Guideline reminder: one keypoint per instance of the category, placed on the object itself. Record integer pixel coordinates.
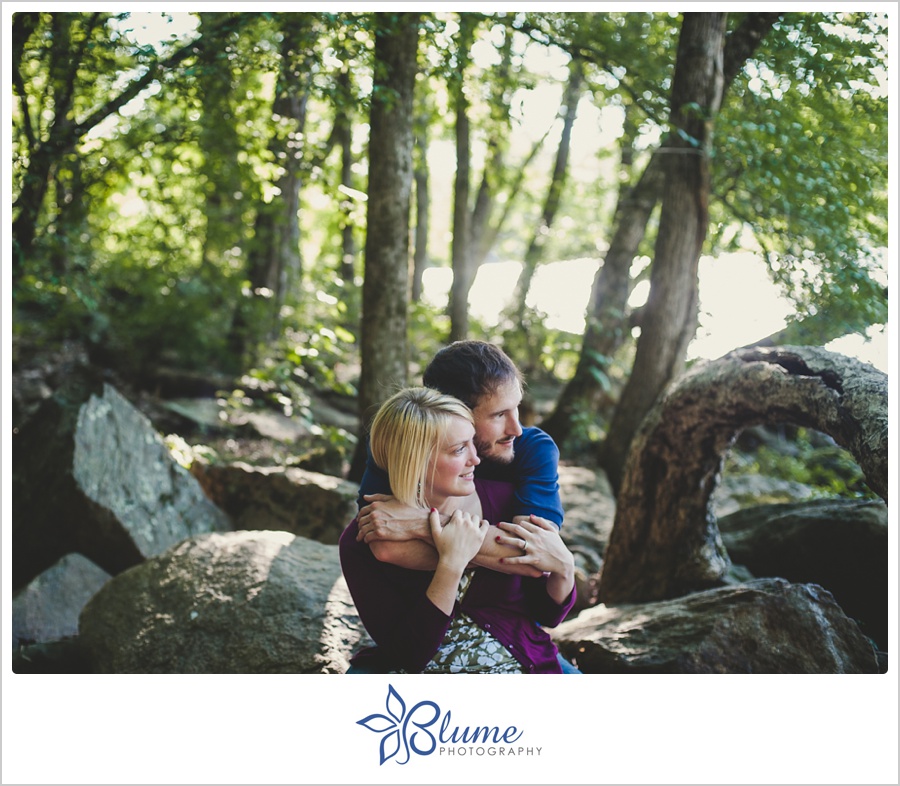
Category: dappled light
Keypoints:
(235, 232)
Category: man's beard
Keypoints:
(485, 452)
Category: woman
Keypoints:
(455, 618)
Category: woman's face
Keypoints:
(451, 471)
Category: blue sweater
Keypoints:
(533, 472)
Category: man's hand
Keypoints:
(497, 551)
(543, 549)
(386, 518)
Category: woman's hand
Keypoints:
(457, 542)
(543, 549)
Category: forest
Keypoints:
(239, 217)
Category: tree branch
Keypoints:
(153, 71)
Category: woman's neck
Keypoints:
(446, 505)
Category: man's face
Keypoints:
(497, 422)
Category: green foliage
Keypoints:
(542, 352)
(800, 157)
(51, 310)
(312, 358)
(146, 235)
(806, 457)
(428, 328)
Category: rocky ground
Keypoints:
(256, 469)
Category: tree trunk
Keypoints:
(343, 129)
(462, 258)
(481, 234)
(45, 149)
(670, 318)
(607, 323)
(420, 255)
(220, 145)
(665, 540)
(386, 284)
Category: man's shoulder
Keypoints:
(534, 434)
(534, 443)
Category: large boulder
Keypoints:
(764, 626)
(305, 503)
(239, 602)
(93, 477)
(841, 544)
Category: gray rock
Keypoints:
(739, 491)
(48, 608)
(122, 464)
(309, 504)
(239, 602)
(93, 477)
(590, 508)
(840, 544)
(765, 626)
(206, 413)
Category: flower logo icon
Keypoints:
(402, 734)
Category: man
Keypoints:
(489, 383)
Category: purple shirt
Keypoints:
(408, 628)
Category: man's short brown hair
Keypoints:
(470, 370)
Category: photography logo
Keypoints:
(424, 730)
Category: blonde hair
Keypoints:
(405, 433)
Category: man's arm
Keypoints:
(375, 480)
(536, 476)
(401, 535)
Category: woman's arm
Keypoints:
(393, 605)
(406, 612)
